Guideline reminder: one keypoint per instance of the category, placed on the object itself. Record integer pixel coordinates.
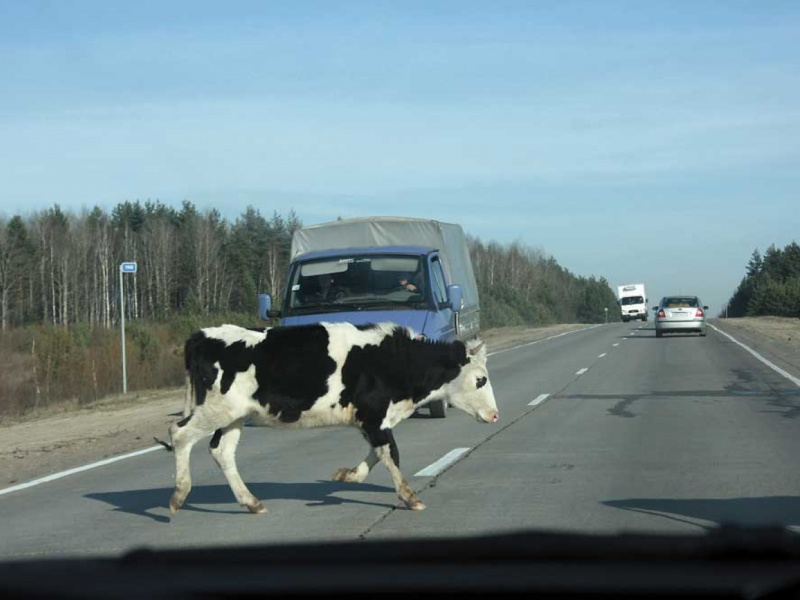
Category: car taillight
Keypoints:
(662, 314)
(700, 313)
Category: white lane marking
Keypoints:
(772, 366)
(68, 472)
(615, 345)
(107, 461)
(538, 400)
(582, 371)
(552, 337)
(440, 465)
(602, 355)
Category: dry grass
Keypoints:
(779, 329)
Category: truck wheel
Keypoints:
(438, 409)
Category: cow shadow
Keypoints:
(763, 511)
(320, 493)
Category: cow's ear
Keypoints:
(476, 348)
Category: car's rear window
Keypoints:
(680, 303)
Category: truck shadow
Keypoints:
(320, 493)
(757, 511)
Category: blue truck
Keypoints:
(413, 272)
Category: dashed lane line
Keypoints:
(538, 400)
(433, 469)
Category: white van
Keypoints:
(632, 301)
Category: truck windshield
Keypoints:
(632, 300)
(358, 281)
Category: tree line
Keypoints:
(60, 268)
(771, 285)
(60, 308)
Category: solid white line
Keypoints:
(602, 355)
(54, 476)
(539, 399)
(440, 465)
(772, 366)
(582, 371)
(552, 337)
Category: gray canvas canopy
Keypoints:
(448, 238)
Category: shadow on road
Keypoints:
(319, 493)
(780, 402)
(759, 511)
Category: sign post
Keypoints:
(606, 309)
(126, 267)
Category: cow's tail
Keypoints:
(188, 397)
(166, 445)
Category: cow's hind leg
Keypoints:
(359, 474)
(185, 434)
(223, 450)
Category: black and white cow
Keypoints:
(370, 377)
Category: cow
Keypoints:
(371, 377)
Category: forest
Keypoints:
(60, 294)
(771, 285)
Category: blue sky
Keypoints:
(655, 142)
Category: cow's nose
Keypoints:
(489, 417)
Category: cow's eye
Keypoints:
(481, 382)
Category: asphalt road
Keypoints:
(677, 434)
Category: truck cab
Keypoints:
(402, 284)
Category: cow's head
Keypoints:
(472, 391)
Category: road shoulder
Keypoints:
(778, 345)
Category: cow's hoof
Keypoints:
(417, 505)
(350, 475)
(174, 506)
(257, 508)
(341, 475)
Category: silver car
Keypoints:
(680, 314)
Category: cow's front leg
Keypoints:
(383, 448)
(359, 474)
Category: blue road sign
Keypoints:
(128, 267)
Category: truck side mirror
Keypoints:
(455, 296)
(265, 306)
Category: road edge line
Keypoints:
(774, 367)
(68, 472)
